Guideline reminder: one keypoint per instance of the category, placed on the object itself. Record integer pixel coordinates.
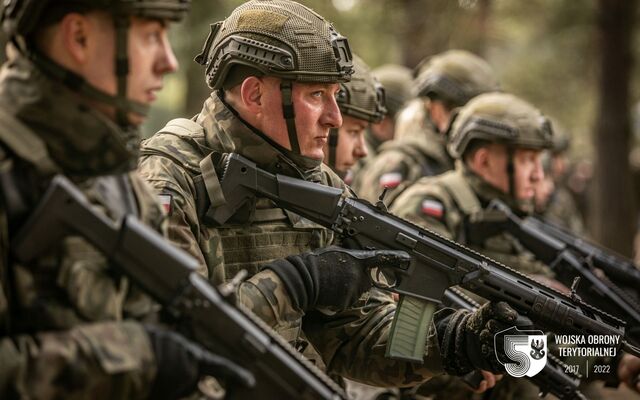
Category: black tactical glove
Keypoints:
(332, 277)
(466, 339)
(181, 363)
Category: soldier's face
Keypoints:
(150, 58)
(316, 112)
(492, 162)
(351, 145)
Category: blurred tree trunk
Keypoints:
(613, 214)
(424, 32)
(433, 26)
(480, 28)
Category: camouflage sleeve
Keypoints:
(176, 192)
(352, 343)
(424, 206)
(98, 361)
(388, 169)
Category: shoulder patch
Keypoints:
(432, 208)
(166, 201)
(390, 180)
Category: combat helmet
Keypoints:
(363, 97)
(278, 38)
(455, 76)
(21, 18)
(397, 82)
(500, 118)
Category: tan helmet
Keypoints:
(363, 97)
(455, 76)
(500, 118)
(397, 81)
(278, 38)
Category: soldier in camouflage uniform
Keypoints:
(561, 208)
(396, 81)
(67, 322)
(277, 110)
(447, 81)
(362, 103)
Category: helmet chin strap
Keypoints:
(286, 89)
(77, 83)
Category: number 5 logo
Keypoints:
(525, 352)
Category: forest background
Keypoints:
(572, 59)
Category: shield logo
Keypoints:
(524, 352)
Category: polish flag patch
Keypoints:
(432, 208)
(390, 180)
(165, 202)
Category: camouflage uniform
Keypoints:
(447, 203)
(400, 163)
(351, 343)
(67, 321)
(561, 208)
(72, 288)
(419, 149)
(396, 80)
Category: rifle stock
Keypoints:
(169, 275)
(437, 263)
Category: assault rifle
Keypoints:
(552, 379)
(560, 256)
(169, 275)
(437, 263)
(619, 269)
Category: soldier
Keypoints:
(396, 81)
(499, 140)
(79, 79)
(362, 103)
(277, 110)
(561, 208)
(447, 81)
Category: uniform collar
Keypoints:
(226, 130)
(486, 192)
(80, 140)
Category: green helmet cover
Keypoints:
(455, 76)
(500, 118)
(279, 38)
(363, 97)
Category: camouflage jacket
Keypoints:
(400, 163)
(563, 211)
(445, 203)
(412, 120)
(350, 343)
(62, 333)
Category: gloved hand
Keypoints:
(181, 363)
(332, 277)
(466, 339)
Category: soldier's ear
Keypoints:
(251, 94)
(74, 31)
